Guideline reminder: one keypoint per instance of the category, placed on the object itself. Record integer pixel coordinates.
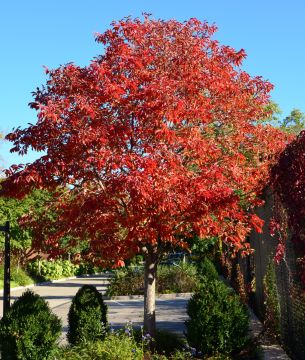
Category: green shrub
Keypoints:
(126, 281)
(176, 279)
(68, 268)
(166, 342)
(218, 320)
(85, 268)
(87, 316)
(170, 279)
(52, 270)
(29, 330)
(205, 267)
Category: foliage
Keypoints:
(84, 268)
(168, 343)
(176, 279)
(52, 270)
(218, 320)
(87, 316)
(225, 266)
(128, 343)
(171, 279)
(288, 184)
(206, 268)
(30, 330)
(18, 276)
(238, 282)
(274, 112)
(147, 145)
(272, 305)
(113, 347)
(13, 210)
(139, 154)
(294, 123)
(46, 270)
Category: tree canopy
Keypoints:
(156, 140)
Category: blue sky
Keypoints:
(36, 33)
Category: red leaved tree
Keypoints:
(157, 140)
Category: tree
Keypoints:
(14, 211)
(154, 142)
(294, 123)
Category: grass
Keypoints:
(13, 284)
(18, 277)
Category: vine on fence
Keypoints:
(288, 182)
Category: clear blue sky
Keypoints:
(36, 33)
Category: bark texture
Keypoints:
(150, 292)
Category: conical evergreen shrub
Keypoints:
(87, 316)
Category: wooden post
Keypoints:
(7, 268)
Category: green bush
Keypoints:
(85, 268)
(166, 342)
(87, 316)
(205, 267)
(176, 279)
(126, 281)
(57, 269)
(52, 270)
(218, 320)
(170, 279)
(29, 330)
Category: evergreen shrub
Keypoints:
(29, 330)
(87, 316)
(218, 320)
(205, 267)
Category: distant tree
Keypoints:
(294, 123)
(156, 141)
(273, 114)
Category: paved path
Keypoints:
(170, 314)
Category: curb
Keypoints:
(141, 297)
(46, 283)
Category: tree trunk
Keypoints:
(150, 292)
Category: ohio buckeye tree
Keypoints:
(156, 141)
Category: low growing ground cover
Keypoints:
(127, 344)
